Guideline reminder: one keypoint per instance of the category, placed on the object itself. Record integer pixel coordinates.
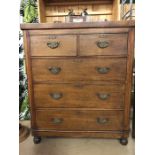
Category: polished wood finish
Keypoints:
(117, 44)
(41, 11)
(77, 31)
(80, 134)
(129, 79)
(79, 95)
(109, 24)
(39, 45)
(79, 120)
(116, 10)
(81, 92)
(29, 75)
(79, 69)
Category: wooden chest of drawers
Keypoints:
(79, 78)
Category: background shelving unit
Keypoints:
(51, 11)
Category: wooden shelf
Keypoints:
(79, 3)
(79, 15)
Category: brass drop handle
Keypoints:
(56, 95)
(53, 44)
(103, 96)
(57, 120)
(101, 120)
(54, 70)
(102, 70)
(102, 44)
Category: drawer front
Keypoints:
(79, 96)
(79, 120)
(57, 45)
(79, 69)
(103, 44)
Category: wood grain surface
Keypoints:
(79, 95)
(79, 119)
(117, 44)
(80, 75)
(79, 69)
(67, 45)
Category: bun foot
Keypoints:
(124, 141)
(36, 140)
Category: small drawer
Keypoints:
(78, 95)
(103, 44)
(53, 45)
(84, 120)
(77, 69)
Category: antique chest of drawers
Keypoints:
(79, 78)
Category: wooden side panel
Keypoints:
(129, 79)
(116, 10)
(41, 11)
(29, 76)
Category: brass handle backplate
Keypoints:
(102, 70)
(101, 120)
(57, 120)
(102, 44)
(56, 96)
(54, 70)
(53, 45)
(103, 96)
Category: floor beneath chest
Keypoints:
(75, 146)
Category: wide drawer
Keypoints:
(103, 44)
(53, 45)
(76, 69)
(79, 95)
(79, 120)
